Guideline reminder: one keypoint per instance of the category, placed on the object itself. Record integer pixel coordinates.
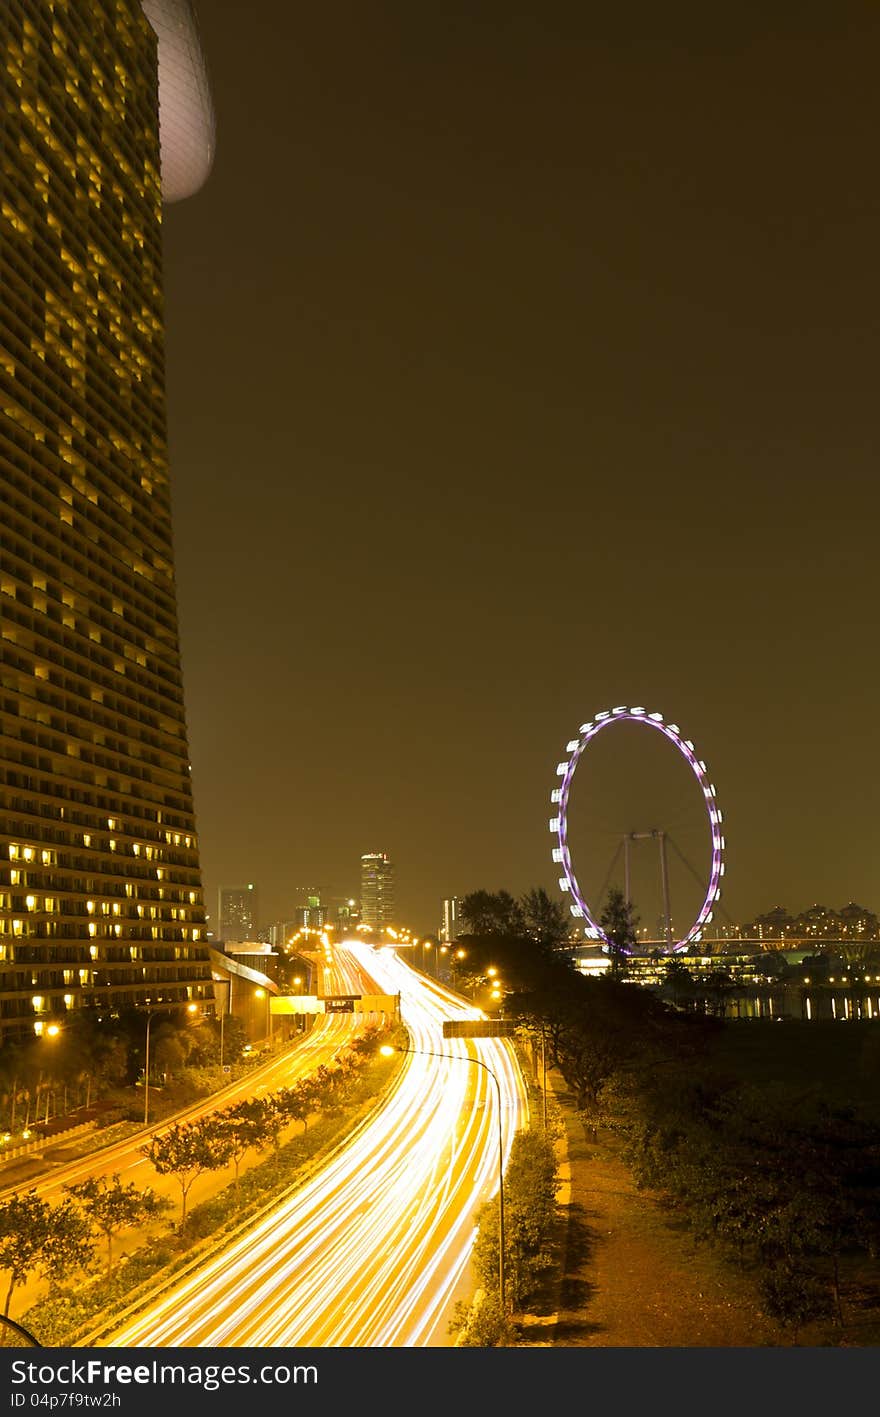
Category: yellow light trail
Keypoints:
(329, 1036)
(369, 1250)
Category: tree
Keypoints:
(69, 1244)
(34, 1234)
(299, 1101)
(677, 978)
(492, 913)
(483, 1324)
(171, 1048)
(544, 919)
(24, 1228)
(244, 1129)
(234, 1038)
(186, 1151)
(111, 1205)
(618, 921)
(530, 1185)
(366, 1045)
(593, 1030)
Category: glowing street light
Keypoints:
(261, 993)
(227, 1008)
(191, 1009)
(388, 1049)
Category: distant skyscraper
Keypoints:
(451, 925)
(237, 914)
(377, 890)
(100, 882)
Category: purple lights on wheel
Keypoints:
(559, 823)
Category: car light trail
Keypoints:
(369, 1250)
(330, 1035)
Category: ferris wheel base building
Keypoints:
(106, 113)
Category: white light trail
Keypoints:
(369, 1250)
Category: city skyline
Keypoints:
(502, 554)
(543, 383)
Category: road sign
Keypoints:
(377, 1004)
(476, 1028)
(340, 1003)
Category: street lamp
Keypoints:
(298, 986)
(191, 1009)
(226, 1009)
(387, 1049)
(52, 1030)
(457, 955)
(150, 1013)
(262, 993)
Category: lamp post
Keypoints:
(262, 993)
(298, 988)
(458, 955)
(150, 1013)
(53, 1031)
(191, 1009)
(388, 1049)
(224, 1010)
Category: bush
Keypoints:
(483, 1324)
(530, 1186)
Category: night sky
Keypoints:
(522, 362)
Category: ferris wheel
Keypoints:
(559, 824)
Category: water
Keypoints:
(774, 1002)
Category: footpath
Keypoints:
(632, 1276)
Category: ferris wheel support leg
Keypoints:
(664, 876)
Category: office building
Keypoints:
(100, 882)
(451, 924)
(237, 917)
(377, 890)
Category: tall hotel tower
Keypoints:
(377, 890)
(100, 884)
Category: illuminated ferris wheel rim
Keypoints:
(559, 824)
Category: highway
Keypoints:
(329, 1036)
(369, 1250)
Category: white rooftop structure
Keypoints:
(186, 114)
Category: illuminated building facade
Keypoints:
(451, 925)
(100, 882)
(377, 890)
